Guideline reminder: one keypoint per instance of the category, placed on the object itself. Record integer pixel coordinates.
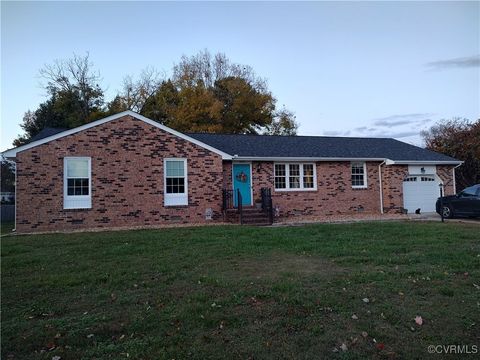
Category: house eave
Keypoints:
(423, 162)
(293, 159)
(326, 159)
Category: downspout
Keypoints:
(454, 182)
(380, 183)
(15, 208)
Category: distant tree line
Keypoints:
(206, 93)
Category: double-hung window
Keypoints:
(77, 183)
(176, 185)
(294, 176)
(359, 178)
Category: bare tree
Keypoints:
(74, 76)
(136, 92)
(205, 69)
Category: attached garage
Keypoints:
(420, 191)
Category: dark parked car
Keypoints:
(465, 203)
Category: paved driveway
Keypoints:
(436, 217)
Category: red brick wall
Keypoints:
(392, 184)
(334, 194)
(446, 174)
(127, 179)
(227, 175)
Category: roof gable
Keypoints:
(11, 153)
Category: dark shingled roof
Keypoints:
(306, 146)
(318, 147)
(46, 132)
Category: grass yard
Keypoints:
(241, 292)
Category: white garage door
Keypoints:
(420, 192)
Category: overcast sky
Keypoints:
(345, 68)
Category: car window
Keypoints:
(470, 191)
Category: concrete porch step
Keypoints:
(250, 216)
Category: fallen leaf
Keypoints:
(477, 286)
(365, 300)
(380, 346)
(418, 320)
(364, 334)
(344, 347)
(354, 317)
(56, 357)
(90, 336)
(401, 293)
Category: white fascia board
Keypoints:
(423, 162)
(387, 161)
(287, 159)
(11, 153)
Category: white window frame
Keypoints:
(287, 176)
(175, 199)
(77, 201)
(365, 177)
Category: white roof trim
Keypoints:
(387, 161)
(286, 159)
(423, 162)
(13, 152)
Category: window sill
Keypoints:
(77, 209)
(295, 190)
(359, 187)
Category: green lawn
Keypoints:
(242, 292)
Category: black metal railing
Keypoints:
(240, 206)
(228, 202)
(267, 205)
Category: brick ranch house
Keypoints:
(127, 170)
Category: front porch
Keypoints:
(236, 210)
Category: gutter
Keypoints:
(16, 201)
(423, 162)
(287, 159)
(385, 161)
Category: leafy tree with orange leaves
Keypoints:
(460, 139)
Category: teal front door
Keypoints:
(242, 182)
